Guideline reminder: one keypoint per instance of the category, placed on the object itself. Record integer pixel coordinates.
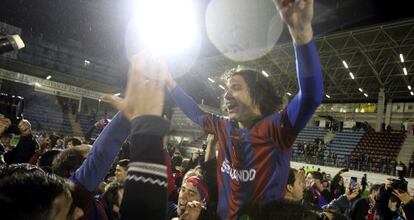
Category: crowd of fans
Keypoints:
(131, 172)
(316, 152)
(30, 168)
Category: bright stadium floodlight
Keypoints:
(405, 71)
(265, 74)
(412, 93)
(117, 94)
(211, 80)
(401, 58)
(366, 95)
(345, 64)
(352, 75)
(328, 96)
(48, 77)
(222, 87)
(409, 87)
(165, 27)
(288, 93)
(360, 90)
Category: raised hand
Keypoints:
(404, 197)
(352, 193)
(298, 15)
(143, 95)
(25, 127)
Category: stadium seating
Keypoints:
(344, 143)
(309, 134)
(379, 147)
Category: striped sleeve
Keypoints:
(145, 195)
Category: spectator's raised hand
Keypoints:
(352, 193)
(404, 197)
(143, 95)
(298, 15)
(25, 127)
(4, 124)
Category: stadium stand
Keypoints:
(344, 142)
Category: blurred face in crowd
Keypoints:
(188, 193)
(341, 181)
(60, 142)
(70, 144)
(120, 173)
(238, 100)
(6, 141)
(295, 191)
(177, 153)
(309, 180)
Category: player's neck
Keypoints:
(249, 123)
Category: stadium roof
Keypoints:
(369, 35)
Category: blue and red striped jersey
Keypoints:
(253, 164)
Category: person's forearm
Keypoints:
(340, 204)
(301, 35)
(210, 150)
(103, 153)
(187, 105)
(146, 184)
(310, 80)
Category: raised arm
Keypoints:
(103, 153)
(186, 103)
(209, 122)
(145, 194)
(298, 14)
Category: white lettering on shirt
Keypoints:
(238, 175)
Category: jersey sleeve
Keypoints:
(209, 122)
(104, 150)
(310, 95)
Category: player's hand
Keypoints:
(298, 15)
